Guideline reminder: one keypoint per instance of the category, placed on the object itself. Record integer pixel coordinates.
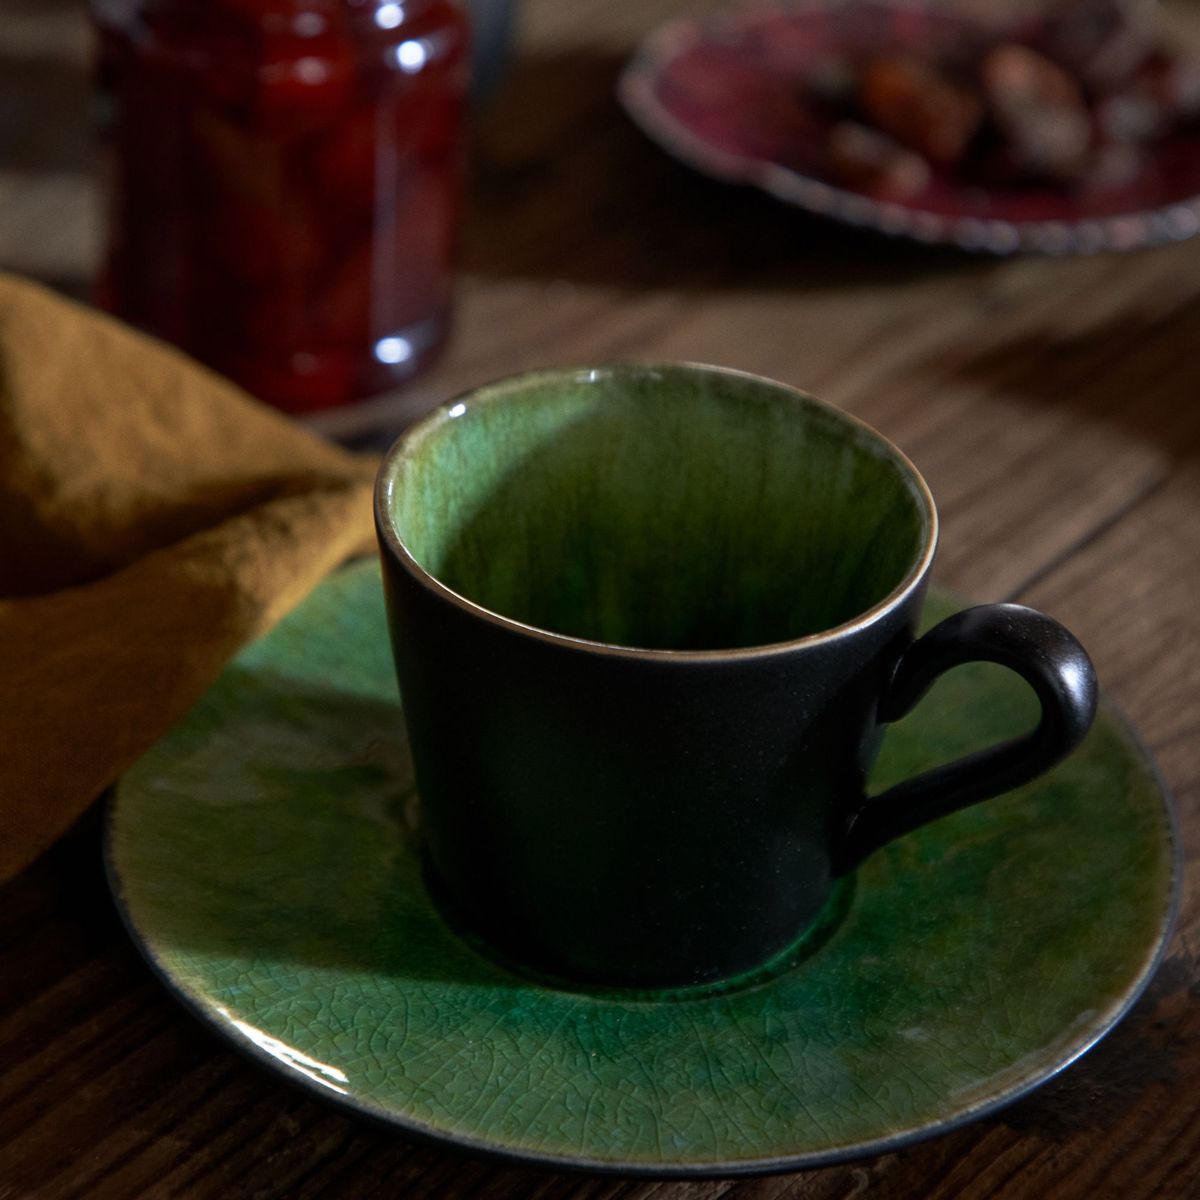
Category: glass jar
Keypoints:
(283, 182)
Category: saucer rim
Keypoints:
(382, 1117)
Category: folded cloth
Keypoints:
(153, 518)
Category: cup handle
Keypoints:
(1043, 653)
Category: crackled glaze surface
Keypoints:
(264, 857)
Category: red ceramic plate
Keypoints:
(725, 94)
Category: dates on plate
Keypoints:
(1073, 105)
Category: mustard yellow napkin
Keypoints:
(153, 518)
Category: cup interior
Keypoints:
(669, 508)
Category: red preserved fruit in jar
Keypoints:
(283, 181)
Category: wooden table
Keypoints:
(1054, 407)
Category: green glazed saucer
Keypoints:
(265, 859)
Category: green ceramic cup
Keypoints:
(649, 622)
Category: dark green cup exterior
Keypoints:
(652, 817)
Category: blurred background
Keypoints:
(565, 200)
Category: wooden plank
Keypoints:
(1052, 406)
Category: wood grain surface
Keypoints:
(1054, 407)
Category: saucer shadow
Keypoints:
(1098, 1092)
(565, 187)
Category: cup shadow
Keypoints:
(1133, 372)
(309, 856)
(328, 872)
